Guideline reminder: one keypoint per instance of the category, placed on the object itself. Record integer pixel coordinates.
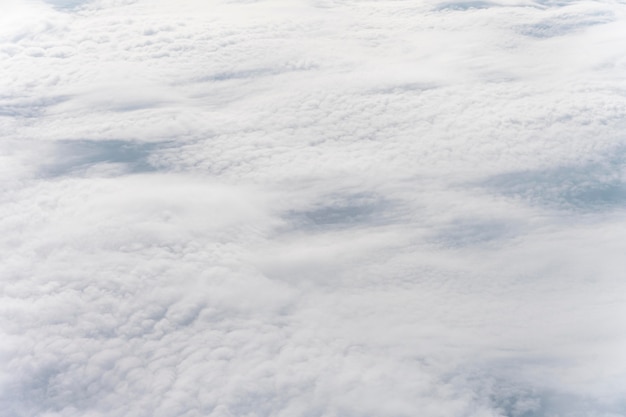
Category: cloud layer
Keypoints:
(312, 208)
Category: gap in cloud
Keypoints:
(67, 5)
(342, 211)
(515, 388)
(553, 3)
(594, 186)
(469, 232)
(28, 108)
(464, 5)
(78, 156)
(239, 74)
(565, 24)
(258, 72)
(538, 403)
(404, 88)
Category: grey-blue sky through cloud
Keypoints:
(312, 208)
(67, 5)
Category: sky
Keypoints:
(316, 208)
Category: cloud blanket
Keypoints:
(323, 208)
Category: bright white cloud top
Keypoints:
(312, 208)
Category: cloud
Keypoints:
(323, 208)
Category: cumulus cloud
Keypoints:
(321, 208)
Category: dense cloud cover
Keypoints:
(312, 208)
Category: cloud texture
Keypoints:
(312, 208)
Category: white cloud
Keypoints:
(325, 208)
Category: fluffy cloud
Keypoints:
(324, 208)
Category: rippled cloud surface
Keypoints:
(333, 208)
